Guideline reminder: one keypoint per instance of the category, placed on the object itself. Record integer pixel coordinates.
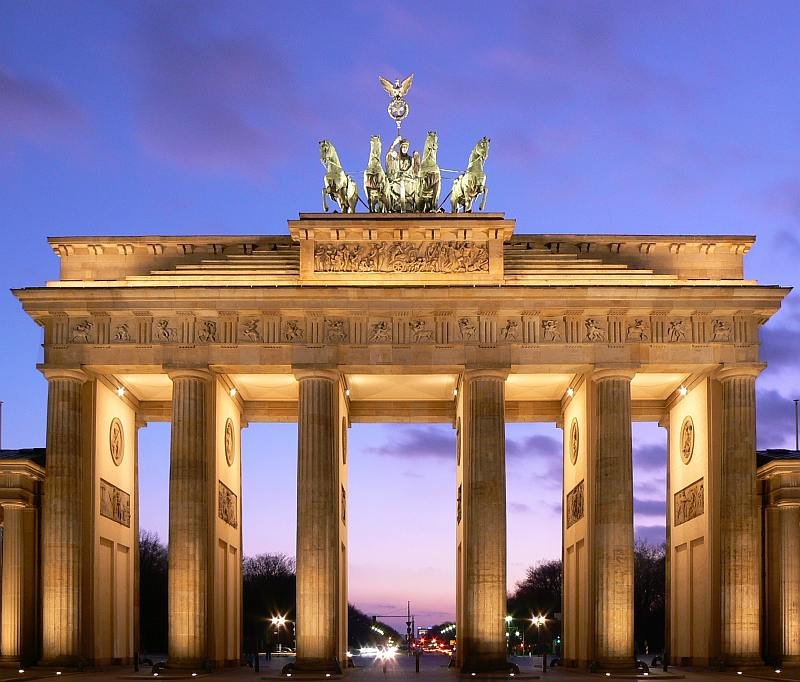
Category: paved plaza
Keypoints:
(432, 667)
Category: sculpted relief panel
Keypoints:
(227, 505)
(115, 504)
(409, 327)
(575, 505)
(689, 502)
(434, 257)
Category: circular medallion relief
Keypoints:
(230, 443)
(116, 441)
(687, 439)
(574, 441)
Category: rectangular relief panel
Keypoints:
(115, 503)
(575, 505)
(227, 505)
(689, 502)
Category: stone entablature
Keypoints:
(200, 260)
(390, 327)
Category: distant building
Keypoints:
(21, 480)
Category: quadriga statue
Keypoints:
(472, 182)
(376, 184)
(337, 184)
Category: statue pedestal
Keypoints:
(401, 248)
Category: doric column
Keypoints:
(188, 518)
(783, 575)
(62, 519)
(13, 583)
(317, 521)
(482, 633)
(740, 528)
(613, 520)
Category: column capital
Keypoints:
(316, 372)
(730, 370)
(202, 373)
(611, 371)
(73, 373)
(499, 373)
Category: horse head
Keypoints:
(375, 146)
(431, 144)
(483, 147)
(327, 153)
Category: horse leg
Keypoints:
(325, 198)
(483, 200)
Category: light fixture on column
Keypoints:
(121, 391)
(233, 392)
(683, 390)
(347, 392)
(455, 392)
(570, 392)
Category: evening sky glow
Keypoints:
(203, 118)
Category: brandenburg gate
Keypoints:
(409, 317)
(402, 314)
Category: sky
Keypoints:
(203, 117)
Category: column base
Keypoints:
(313, 667)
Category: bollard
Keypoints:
(416, 660)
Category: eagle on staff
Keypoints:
(397, 89)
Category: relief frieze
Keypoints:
(82, 332)
(401, 327)
(380, 332)
(689, 502)
(251, 331)
(163, 331)
(122, 333)
(575, 505)
(115, 504)
(434, 257)
(227, 505)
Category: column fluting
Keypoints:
(317, 521)
(12, 584)
(188, 519)
(484, 518)
(62, 520)
(740, 526)
(613, 522)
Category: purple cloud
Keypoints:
(420, 442)
(774, 420)
(650, 456)
(519, 508)
(649, 507)
(35, 110)
(213, 101)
